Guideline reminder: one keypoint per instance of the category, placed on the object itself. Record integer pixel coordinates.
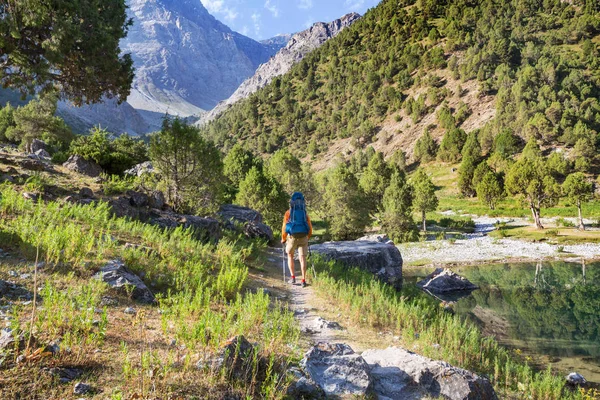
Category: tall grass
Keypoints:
(200, 286)
(421, 323)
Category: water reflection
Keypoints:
(551, 309)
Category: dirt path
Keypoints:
(308, 307)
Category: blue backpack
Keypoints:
(297, 225)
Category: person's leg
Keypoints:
(303, 266)
(302, 252)
(289, 249)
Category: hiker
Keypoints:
(296, 225)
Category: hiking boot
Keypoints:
(293, 280)
(303, 283)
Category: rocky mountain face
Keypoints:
(295, 50)
(186, 62)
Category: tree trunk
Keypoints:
(536, 217)
(424, 221)
(581, 225)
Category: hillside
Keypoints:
(297, 47)
(529, 68)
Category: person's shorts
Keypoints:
(293, 243)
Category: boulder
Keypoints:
(82, 388)
(137, 199)
(32, 165)
(337, 369)
(30, 196)
(118, 276)
(86, 193)
(444, 280)
(232, 212)
(204, 228)
(255, 230)
(383, 260)
(156, 199)
(121, 207)
(239, 359)
(141, 169)
(380, 238)
(79, 164)
(250, 220)
(397, 372)
(575, 379)
(38, 145)
(7, 340)
(42, 154)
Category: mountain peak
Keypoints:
(298, 46)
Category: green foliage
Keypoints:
(489, 189)
(36, 120)
(287, 169)
(466, 170)
(506, 144)
(451, 146)
(190, 167)
(114, 156)
(7, 121)
(398, 160)
(262, 192)
(238, 162)
(472, 148)
(558, 165)
(344, 205)
(374, 180)
(396, 218)
(115, 184)
(425, 148)
(424, 198)
(578, 189)
(532, 150)
(531, 180)
(38, 48)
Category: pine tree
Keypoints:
(344, 204)
(424, 198)
(396, 218)
(262, 192)
(578, 190)
(190, 167)
(374, 180)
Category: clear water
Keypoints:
(548, 311)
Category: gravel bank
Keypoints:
(480, 248)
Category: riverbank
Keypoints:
(481, 247)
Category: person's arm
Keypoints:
(286, 217)
(309, 226)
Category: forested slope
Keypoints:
(531, 67)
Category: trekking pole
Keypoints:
(312, 263)
(283, 260)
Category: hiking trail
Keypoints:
(308, 307)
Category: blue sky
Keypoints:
(263, 19)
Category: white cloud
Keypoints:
(354, 5)
(272, 8)
(213, 6)
(220, 8)
(244, 31)
(256, 19)
(230, 14)
(305, 4)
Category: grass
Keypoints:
(202, 302)
(449, 199)
(421, 323)
(554, 235)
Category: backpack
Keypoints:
(297, 225)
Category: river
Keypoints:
(549, 312)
